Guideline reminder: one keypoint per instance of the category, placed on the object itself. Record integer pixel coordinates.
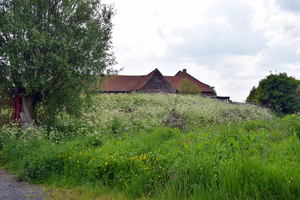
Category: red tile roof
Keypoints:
(143, 81)
(175, 80)
(121, 83)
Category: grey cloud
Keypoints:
(279, 55)
(237, 13)
(290, 5)
(292, 30)
(210, 44)
(205, 40)
(214, 38)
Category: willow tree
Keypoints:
(52, 51)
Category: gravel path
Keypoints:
(11, 188)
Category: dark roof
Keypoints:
(143, 80)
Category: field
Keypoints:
(205, 149)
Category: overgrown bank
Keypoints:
(255, 159)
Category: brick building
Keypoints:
(154, 82)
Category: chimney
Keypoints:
(184, 70)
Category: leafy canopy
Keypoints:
(188, 87)
(279, 92)
(253, 94)
(51, 51)
(214, 93)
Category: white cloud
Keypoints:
(289, 5)
(229, 44)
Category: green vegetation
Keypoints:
(51, 52)
(214, 93)
(224, 151)
(188, 87)
(278, 92)
(253, 95)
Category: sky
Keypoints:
(229, 44)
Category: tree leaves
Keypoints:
(279, 92)
(188, 87)
(54, 49)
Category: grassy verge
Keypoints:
(103, 157)
(254, 160)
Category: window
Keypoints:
(157, 86)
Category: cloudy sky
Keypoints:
(229, 44)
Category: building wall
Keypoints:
(157, 83)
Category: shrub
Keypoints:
(175, 120)
(188, 87)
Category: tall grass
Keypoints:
(249, 155)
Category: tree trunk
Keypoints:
(27, 113)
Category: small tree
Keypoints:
(279, 92)
(253, 94)
(214, 93)
(188, 87)
(174, 118)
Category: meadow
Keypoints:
(209, 150)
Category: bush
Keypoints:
(175, 120)
(188, 87)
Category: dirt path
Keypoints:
(11, 188)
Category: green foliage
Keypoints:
(133, 153)
(252, 160)
(214, 93)
(279, 92)
(294, 123)
(115, 124)
(188, 87)
(52, 51)
(253, 94)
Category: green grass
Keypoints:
(109, 155)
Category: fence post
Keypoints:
(16, 108)
(9, 110)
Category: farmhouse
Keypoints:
(154, 82)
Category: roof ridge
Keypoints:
(121, 75)
(137, 83)
(149, 76)
(130, 83)
(197, 80)
(178, 73)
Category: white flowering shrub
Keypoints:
(13, 132)
(148, 110)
